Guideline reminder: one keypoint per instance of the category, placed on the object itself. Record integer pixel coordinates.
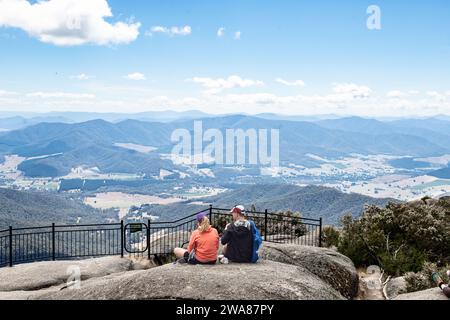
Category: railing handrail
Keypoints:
(180, 219)
(31, 228)
(65, 226)
(88, 225)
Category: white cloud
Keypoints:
(437, 95)
(295, 83)
(46, 95)
(353, 90)
(170, 31)
(135, 76)
(221, 32)
(165, 102)
(67, 22)
(337, 99)
(217, 85)
(396, 94)
(81, 76)
(4, 93)
(237, 35)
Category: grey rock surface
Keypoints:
(266, 280)
(40, 275)
(395, 287)
(430, 294)
(329, 265)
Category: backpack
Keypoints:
(257, 241)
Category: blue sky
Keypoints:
(293, 57)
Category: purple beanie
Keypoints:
(200, 216)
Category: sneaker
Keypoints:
(224, 260)
(180, 261)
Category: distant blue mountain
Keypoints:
(92, 142)
(28, 118)
(17, 122)
(443, 173)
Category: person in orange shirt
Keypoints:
(203, 245)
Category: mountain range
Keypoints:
(14, 120)
(94, 142)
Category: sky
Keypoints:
(349, 57)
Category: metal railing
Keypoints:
(143, 239)
(63, 242)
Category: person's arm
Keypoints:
(226, 237)
(191, 244)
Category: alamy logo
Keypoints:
(236, 147)
(74, 279)
(374, 20)
(73, 21)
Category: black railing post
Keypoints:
(10, 246)
(265, 225)
(148, 239)
(122, 243)
(320, 232)
(53, 242)
(210, 213)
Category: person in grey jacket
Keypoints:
(237, 238)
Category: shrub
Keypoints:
(286, 223)
(422, 280)
(400, 237)
(330, 237)
(220, 221)
(283, 223)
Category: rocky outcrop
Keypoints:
(395, 287)
(284, 272)
(39, 275)
(264, 281)
(165, 242)
(430, 294)
(329, 265)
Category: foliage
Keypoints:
(282, 223)
(422, 280)
(220, 222)
(330, 237)
(400, 237)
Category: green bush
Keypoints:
(422, 280)
(220, 222)
(283, 223)
(287, 223)
(330, 237)
(400, 237)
